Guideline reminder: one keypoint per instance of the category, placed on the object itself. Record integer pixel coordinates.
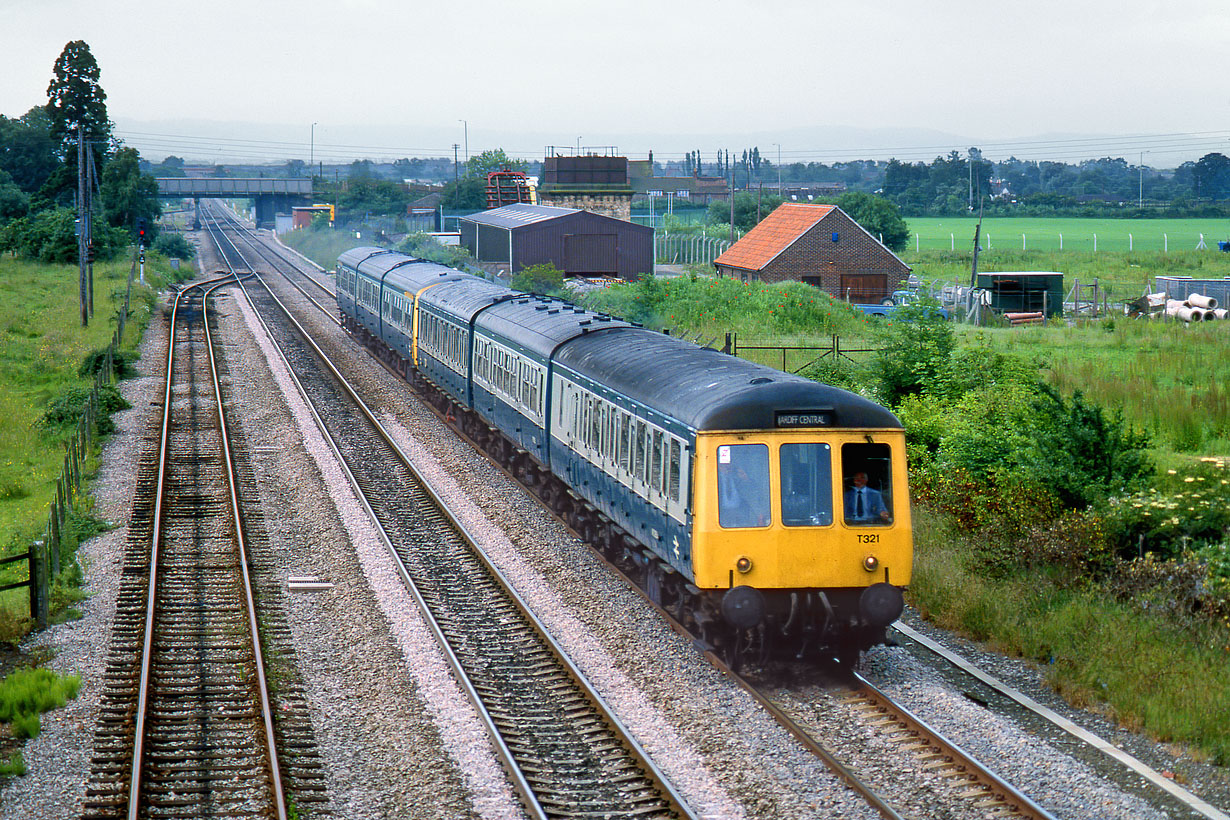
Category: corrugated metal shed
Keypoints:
(1024, 291)
(514, 216)
(578, 242)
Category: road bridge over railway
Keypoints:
(271, 195)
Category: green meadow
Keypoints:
(1067, 233)
(42, 347)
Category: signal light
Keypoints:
(141, 230)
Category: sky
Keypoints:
(809, 80)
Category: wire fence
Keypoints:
(46, 557)
(687, 249)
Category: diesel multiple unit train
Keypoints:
(769, 513)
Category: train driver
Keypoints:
(863, 504)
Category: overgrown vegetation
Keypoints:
(47, 363)
(1042, 522)
(30, 691)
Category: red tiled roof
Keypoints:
(775, 233)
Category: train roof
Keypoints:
(541, 323)
(464, 296)
(709, 390)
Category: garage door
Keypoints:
(591, 253)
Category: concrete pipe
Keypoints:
(1207, 316)
(1201, 301)
(1173, 305)
(1220, 313)
(1188, 314)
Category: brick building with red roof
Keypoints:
(818, 245)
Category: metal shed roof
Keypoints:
(514, 216)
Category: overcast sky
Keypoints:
(1045, 80)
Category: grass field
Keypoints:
(1068, 234)
(42, 345)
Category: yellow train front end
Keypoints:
(806, 532)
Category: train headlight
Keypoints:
(871, 563)
(744, 564)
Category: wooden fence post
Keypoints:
(38, 586)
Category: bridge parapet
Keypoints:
(232, 186)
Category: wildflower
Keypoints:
(1171, 472)
(1189, 480)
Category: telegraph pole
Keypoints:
(82, 215)
(89, 230)
(455, 147)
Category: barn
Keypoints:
(578, 242)
(819, 245)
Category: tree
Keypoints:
(76, 99)
(27, 151)
(375, 196)
(878, 216)
(127, 194)
(494, 160)
(1211, 176)
(747, 205)
(469, 194)
(14, 202)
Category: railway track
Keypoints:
(565, 752)
(187, 726)
(1093, 745)
(968, 785)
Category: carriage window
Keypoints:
(655, 466)
(743, 485)
(807, 485)
(625, 441)
(866, 475)
(638, 468)
(675, 467)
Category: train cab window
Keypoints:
(807, 485)
(743, 485)
(867, 498)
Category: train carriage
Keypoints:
(514, 341)
(694, 429)
(445, 326)
(763, 507)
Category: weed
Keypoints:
(31, 690)
(15, 767)
(26, 726)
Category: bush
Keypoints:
(121, 363)
(916, 354)
(1175, 588)
(173, 245)
(1084, 453)
(1075, 543)
(67, 408)
(1185, 511)
(543, 278)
